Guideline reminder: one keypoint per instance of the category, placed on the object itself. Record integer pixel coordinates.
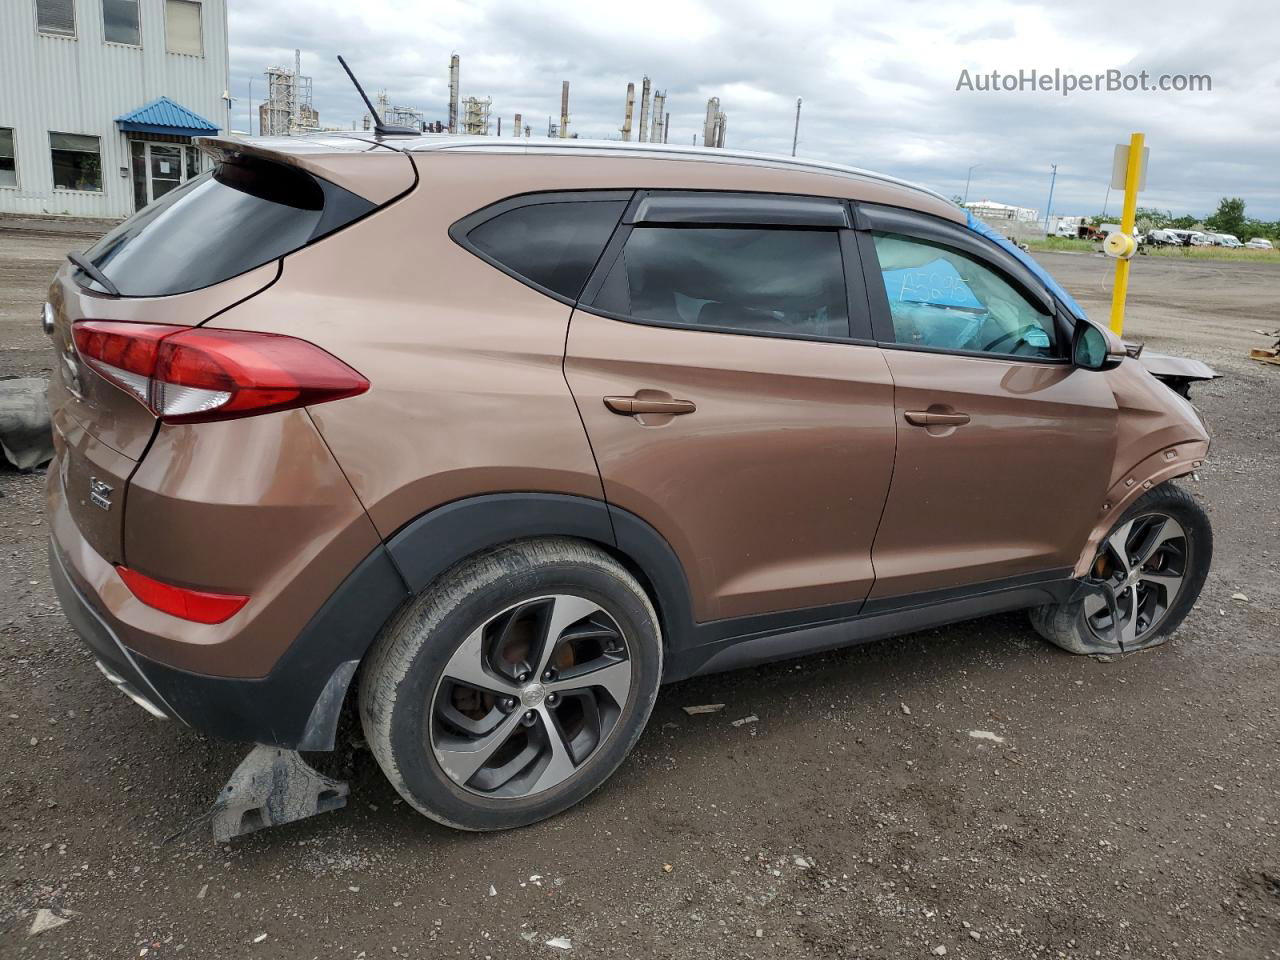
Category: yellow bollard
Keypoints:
(1131, 179)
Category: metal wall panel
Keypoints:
(81, 85)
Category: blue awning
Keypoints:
(165, 116)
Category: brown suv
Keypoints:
(515, 431)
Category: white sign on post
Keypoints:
(1120, 165)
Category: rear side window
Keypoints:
(755, 280)
(242, 214)
(551, 245)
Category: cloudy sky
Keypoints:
(878, 81)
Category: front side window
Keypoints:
(8, 160)
(120, 22)
(77, 161)
(945, 299)
(737, 280)
(182, 27)
(56, 17)
(554, 245)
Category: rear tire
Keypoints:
(1153, 593)
(514, 686)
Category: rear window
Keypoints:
(240, 215)
(552, 245)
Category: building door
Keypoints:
(159, 168)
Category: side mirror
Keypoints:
(1089, 347)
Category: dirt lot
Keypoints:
(1132, 810)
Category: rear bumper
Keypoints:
(115, 662)
(296, 706)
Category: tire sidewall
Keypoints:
(428, 787)
(1172, 502)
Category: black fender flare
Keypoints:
(426, 547)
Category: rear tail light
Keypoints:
(198, 606)
(192, 374)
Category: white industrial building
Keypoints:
(100, 99)
(990, 210)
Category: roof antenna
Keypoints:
(379, 128)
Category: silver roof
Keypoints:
(451, 143)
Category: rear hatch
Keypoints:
(204, 247)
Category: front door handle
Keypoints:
(630, 406)
(926, 418)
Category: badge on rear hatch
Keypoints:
(99, 493)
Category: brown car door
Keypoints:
(733, 400)
(1004, 449)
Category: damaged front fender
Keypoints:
(1177, 373)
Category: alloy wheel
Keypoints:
(1139, 570)
(530, 696)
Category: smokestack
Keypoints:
(626, 117)
(564, 110)
(721, 122)
(666, 125)
(657, 133)
(518, 128)
(499, 126)
(454, 70)
(644, 110)
(709, 125)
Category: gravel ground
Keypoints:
(1122, 809)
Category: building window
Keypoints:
(8, 164)
(182, 27)
(56, 17)
(120, 22)
(77, 162)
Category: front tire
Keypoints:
(1154, 561)
(514, 686)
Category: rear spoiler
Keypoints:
(377, 173)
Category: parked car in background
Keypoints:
(492, 442)
(1226, 240)
(1260, 243)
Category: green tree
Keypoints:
(1148, 219)
(1229, 217)
(1184, 222)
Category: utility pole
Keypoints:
(795, 137)
(1048, 207)
(251, 108)
(967, 178)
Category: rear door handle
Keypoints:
(629, 406)
(924, 418)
